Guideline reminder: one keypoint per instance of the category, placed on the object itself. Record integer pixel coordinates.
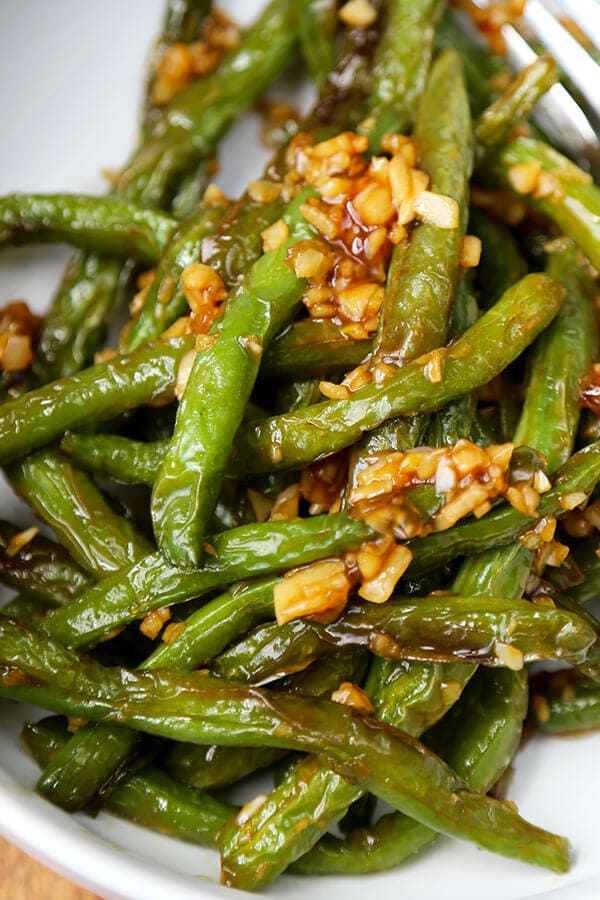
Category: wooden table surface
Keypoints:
(22, 878)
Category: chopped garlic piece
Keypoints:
(509, 656)
(352, 695)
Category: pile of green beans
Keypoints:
(165, 471)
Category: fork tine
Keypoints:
(581, 68)
(585, 15)
(557, 114)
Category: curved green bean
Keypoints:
(217, 766)
(400, 66)
(414, 696)
(41, 569)
(574, 204)
(102, 224)
(561, 356)
(485, 349)
(149, 798)
(456, 629)
(165, 301)
(193, 122)
(103, 391)
(317, 26)
(424, 271)
(265, 549)
(202, 710)
(219, 386)
(478, 738)
(78, 317)
(565, 702)
(259, 549)
(98, 539)
(495, 124)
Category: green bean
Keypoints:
(101, 392)
(485, 429)
(501, 264)
(584, 555)
(89, 764)
(136, 462)
(216, 766)
(424, 272)
(401, 66)
(120, 458)
(216, 625)
(311, 349)
(566, 701)
(495, 124)
(183, 19)
(481, 734)
(182, 23)
(548, 433)
(560, 358)
(478, 738)
(485, 349)
(193, 122)
(415, 695)
(203, 710)
(574, 205)
(185, 132)
(98, 539)
(190, 192)
(190, 478)
(343, 101)
(317, 25)
(408, 695)
(457, 629)
(455, 420)
(591, 665)
(25, 608)
(102, 224)
(237, 244)
(78, 316)
(480, 66)
(80, 771)
(265, 549)
(165, 301)
(504, 525)
(259, 549)
(207, 632)
(149, 798)
(76, 323)
(341, 104)
(290, 396)
(41, 569)
(79, 311)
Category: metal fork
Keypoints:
(573, 127)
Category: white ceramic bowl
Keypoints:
(71, 76)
